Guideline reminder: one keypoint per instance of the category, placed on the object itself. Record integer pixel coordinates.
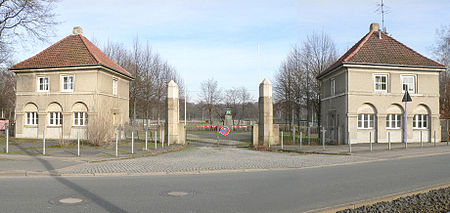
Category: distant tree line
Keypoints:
(214, 101)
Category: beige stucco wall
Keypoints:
(361, 91)
(334, 105)
(92, 88)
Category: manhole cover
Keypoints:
(70, 200)
(178, 194)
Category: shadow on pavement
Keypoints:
(108, 206)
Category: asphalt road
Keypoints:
(270, 191)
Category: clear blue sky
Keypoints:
(218, 38)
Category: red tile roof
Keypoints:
(385, 51)
(73, 50)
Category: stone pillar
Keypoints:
(265, 126)
(173, 114)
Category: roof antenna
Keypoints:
(383, 11)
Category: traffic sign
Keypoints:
(225, 131)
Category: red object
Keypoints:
(3, 124)
(225, 131)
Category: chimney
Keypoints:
(77, 30)
(374, 27)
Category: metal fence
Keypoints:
(307, 135)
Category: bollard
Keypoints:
(389, 141)
(7, 137)
(293, 135)
(117, 145)
(434, 137)
(43, 142)
(309, 135)
(349, 143)
(156, 141)
(370, 140)
(323, 138)
(217, 141)
(281, 139)
(132, 141)
(421, 140)
(301, 140)
(168, 137)
(146, 138)
(163, 139)
(78, 144)
(269, 138)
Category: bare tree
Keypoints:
(211, 95)
(244, 98)
(319, 53)
(22, 19)
(149, 88)
(296, 87)
(7, 93)
(441, 52)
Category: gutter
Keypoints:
(374, 65)
(73, 66)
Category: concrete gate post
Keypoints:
(265, 126)
(173, 115)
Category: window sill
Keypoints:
(420, 129)
(54, 126)
(393, 128)
(31, 125)
(67, 91)
(365, 128)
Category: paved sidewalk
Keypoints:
(196, 159)
(359, 148)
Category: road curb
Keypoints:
(390, 197)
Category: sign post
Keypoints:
(7, 137)
(406, 99)
(146, 137)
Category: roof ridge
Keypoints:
(82, 38)
(363, 41)
(22, 62)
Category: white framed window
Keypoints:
(31, 118)
(410, 82)
(380, 82)
(67, 82)
(114, 87)
(79, 118)
(420, 121)
(365, 121)
(333, 87)
(43, 84)
(54, 118)
(394, 121)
